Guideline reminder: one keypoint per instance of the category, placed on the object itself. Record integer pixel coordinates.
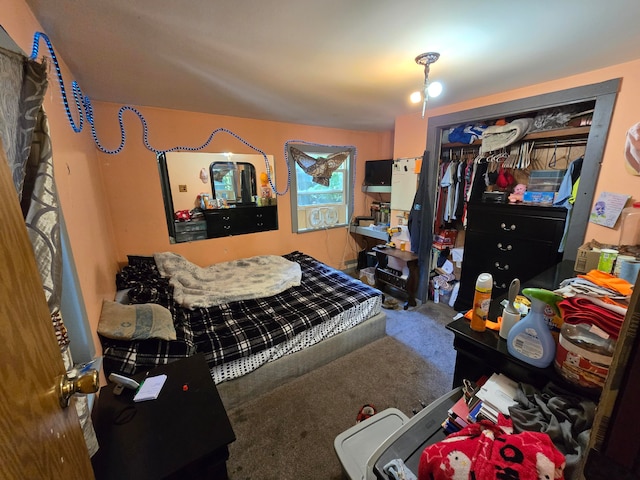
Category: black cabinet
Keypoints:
(191, 230)
(508, 241)
(224, 222)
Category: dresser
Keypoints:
(508, 241)
(223, 222)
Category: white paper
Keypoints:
(499, 391)
(150, 388)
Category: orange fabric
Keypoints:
(490, 325)
(609, 281)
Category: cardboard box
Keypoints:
(446, 237)
(541, 198)
(588, 256)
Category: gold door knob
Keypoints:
(86, 383)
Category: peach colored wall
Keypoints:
(613, 177)
(135, 200)
(78, 178)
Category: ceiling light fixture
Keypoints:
(429, 89)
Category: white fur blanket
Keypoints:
(244, 279)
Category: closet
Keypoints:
(522, 239)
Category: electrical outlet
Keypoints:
(182, 188)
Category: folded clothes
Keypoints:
(609, 281)
(591, 311)
(581, 286)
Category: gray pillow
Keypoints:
(135, 322)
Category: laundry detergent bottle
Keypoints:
(530, 339)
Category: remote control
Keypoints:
(124, 381)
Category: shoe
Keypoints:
(365, 412)
(390, 303)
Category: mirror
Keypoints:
(210, 195)
(234, 182)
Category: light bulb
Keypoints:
(434, 89)
(416, 97)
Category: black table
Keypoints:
(483, 353)
(183, 434)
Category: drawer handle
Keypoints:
(226, 218)
(504, 227)
(259, 224)
(226, 227)
(508, 248)
(506, 267)
(503, 285)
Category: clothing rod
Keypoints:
(562, 143)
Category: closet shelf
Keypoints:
(555, 134)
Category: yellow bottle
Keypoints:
(481, 302)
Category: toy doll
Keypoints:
(518, 193)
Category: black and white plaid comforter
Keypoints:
(233, 330)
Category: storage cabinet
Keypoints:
(189, 231)
(508, 241)
(224, 222)
(389, 276)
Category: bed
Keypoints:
(253, 344)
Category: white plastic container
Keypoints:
(584, 355)
(630, 225)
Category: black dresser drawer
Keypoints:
(516, 221)
(240, 220)
(508, 241)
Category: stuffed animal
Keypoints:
(518, 193)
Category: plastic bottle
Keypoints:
(530, 339)
(630, 225)
(481, 302)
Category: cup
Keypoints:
(619, 261)
(403, 246)
(629, 271)
(606, 260)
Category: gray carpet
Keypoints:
(288, 433)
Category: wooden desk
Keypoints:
(183, 434)
(410, 285)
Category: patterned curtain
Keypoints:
(25, 133)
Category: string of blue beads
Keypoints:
(83, 102)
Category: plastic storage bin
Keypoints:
(355, 445)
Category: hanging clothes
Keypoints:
(566, 195)
(420, 224)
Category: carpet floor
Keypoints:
(288, 433)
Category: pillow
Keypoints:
(135, 322)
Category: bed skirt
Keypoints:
(278, 372)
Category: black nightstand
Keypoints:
(183, 434)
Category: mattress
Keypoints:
(238, 337)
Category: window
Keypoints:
(321, 186)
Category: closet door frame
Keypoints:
(604, 94)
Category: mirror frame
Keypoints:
(266, 212)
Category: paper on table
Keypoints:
(150, 388)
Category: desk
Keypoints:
(483, 353)
(410, 285)
(183, 434)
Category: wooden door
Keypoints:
(38, 438)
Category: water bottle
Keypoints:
(481, 302)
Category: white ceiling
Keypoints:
(337, 63)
